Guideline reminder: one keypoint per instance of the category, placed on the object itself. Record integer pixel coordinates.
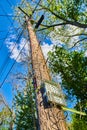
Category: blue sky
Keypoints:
(7, 40)
(6, 8)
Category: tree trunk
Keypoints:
(50, 118)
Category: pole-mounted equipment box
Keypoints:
(52, 93)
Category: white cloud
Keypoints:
(46, 48)
(85, 54)
(15, 48)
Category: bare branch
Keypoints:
(78, 42)
(4, 102)
(78, 34)
(54, 25)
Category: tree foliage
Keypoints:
(79, 123)
(25, 109)
(5, 119)
(73, 69)
(64, 19)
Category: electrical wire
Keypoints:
(2, 39)
(16, 29)
(36, 7)
(9, 3)
(4, 15)
(6, 62)
(12, 23)
(8, 56)
(3, 31)
(12, 2)
(7, 35)
(12, 66)
(22, 2)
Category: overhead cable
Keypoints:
(9, 3)
(12, 66)
(6, 62)
(3, 15)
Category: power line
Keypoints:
(8, 34)
(12, 66)
(3, 15)
(9, 3)
(6, 62)
(36, 7)
(16, 29)
(32, 11)
(6, 14)
(12, 2)
(2, 38)
(18, 37)
(5, 36)
(2, 31)
(12, 24)
(7, 59)
(15, 61)
(22, 2)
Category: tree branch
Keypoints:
(54, 25)
(79, 41)
(3, 100)
(80, 25)
(78, 34)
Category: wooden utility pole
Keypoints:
(51, 118)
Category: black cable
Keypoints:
(2, 45)
(8, 30)
(9, 3)
(13, 63)
(11, 67)
(12, 2)
(6, 62)
(32, 11)
(12, 24)
(2, 38)
(16, 29)
(6, 14)
(36, 7)
(22, 2)
(6, 35)
(3, 31)
(3, 15)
